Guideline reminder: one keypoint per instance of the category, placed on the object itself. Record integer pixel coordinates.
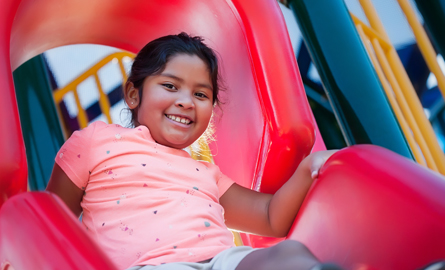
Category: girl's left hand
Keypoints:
(318, 160)
(272, 215)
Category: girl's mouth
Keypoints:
(179, 119)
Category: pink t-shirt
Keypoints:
(146, 203)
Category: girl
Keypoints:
(147, 203)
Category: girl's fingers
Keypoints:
(319, 160)
(314, 175)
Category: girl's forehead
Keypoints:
(185, 59)
(185, 65)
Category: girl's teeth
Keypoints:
(179, 119)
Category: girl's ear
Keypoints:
(131, 95)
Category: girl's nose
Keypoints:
(185, 101)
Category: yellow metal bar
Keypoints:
(392, 100)
(103, 99)
(82, 118)
(425, 46)
(416, 108)
(104, 103)
(373, 19)
(58, 94)
(122, 68)
(407, 88)
(405, 108)
(369, 32)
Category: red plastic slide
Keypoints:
(369, 206)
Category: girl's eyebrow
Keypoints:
(205, 85)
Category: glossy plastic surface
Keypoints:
(37, 232)
(369, 206)
(348, 76)
(267, 125)
(373, 207)
(13, 170)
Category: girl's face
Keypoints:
(176, 104)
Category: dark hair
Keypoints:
(153, 57)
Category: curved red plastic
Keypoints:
(278, 80)
(38, 232)
(13, 171)
(369, 206)
(373, 207)
(267, 125)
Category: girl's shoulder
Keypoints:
(97, 130)
(94, 126)
(103, 125)
(100, 126)
(210, 165)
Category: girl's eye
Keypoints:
(201, 95)
(169, 86)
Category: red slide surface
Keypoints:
(266, 128)
(372, 207)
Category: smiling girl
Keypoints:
(147, 203)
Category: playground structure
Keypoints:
(367, 202)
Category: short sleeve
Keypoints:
(74, 155)
(224, 183)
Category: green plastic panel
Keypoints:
(327, 124)
(38, 117)
(433, 12)
(348, 77)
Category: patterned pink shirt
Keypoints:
(145, 203)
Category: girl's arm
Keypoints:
(62, 186)
(271, 215)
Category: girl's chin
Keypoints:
(178, 143)
(176, 139)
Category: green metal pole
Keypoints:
(41, 129)
(348, 77)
